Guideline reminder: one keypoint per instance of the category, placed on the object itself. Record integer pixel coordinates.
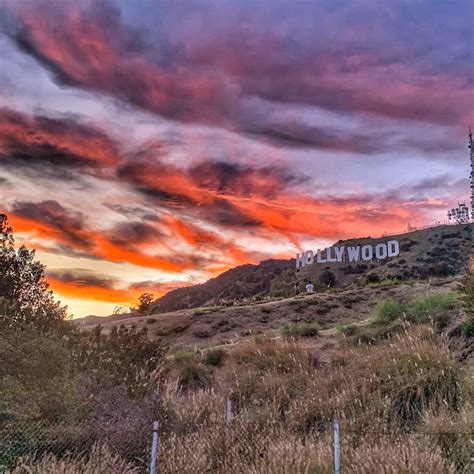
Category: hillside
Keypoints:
(437, 251)
(223, 325)
(245, 281)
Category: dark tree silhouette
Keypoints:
(144, 303)
(25, 297)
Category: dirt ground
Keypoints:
(211, 326)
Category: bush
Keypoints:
(214, 357)
(299, 330)
(328, 278)
(431, 307)
(467, 328)
(372, 278)
(387, 311)
(373, 333)
(348, 330)
(151, 321)
(193, 376)
(125, 356)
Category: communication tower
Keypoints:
(471, 176)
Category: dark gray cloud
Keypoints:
(83, 278)
(70, 225)
(134, 233)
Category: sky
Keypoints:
(148, 145)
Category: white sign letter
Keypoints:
(353, 253)
(381, 251)
(367, 252)
(329, 257)
(339, 253)
(319, 257)
(300, 261)
(393, 248)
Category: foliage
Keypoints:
(145, 301)
(431, 307)
(24, 294)
(297, 330)
(214, 357)
(37, 380)
(328, 278)
(372, 278)
(387, 311)
(126, 356)
(193, 376)
(348, 330)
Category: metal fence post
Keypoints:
(228, 417)
(154, 446)
(337, 447)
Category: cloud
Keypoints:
(207, 75)
(133, 233)
(84, 284)
(67, 226)
(59, 142)
(266, 200)
(51, 221)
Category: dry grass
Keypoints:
(100, 461)
(385, 396)
(284, 402)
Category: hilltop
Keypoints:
(259, 299)
(435, 252)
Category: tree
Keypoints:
(328, 278)
(144, 303)
(24, 294)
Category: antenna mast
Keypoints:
(471, 147)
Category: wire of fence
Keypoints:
(220, 446)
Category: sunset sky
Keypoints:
(147, 145)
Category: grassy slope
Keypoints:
(217, 325)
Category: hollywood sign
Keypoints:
(349, 254)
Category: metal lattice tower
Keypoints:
(471, 148)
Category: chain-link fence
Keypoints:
(233, 444)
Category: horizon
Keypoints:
(147, 146)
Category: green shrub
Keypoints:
(430, 307)
(372, 278)
(214, 357)
(468, 328)
(387, 311)
(348, 330)
(373, 333)
(151, 321)
(297, 330)
(182, 353)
